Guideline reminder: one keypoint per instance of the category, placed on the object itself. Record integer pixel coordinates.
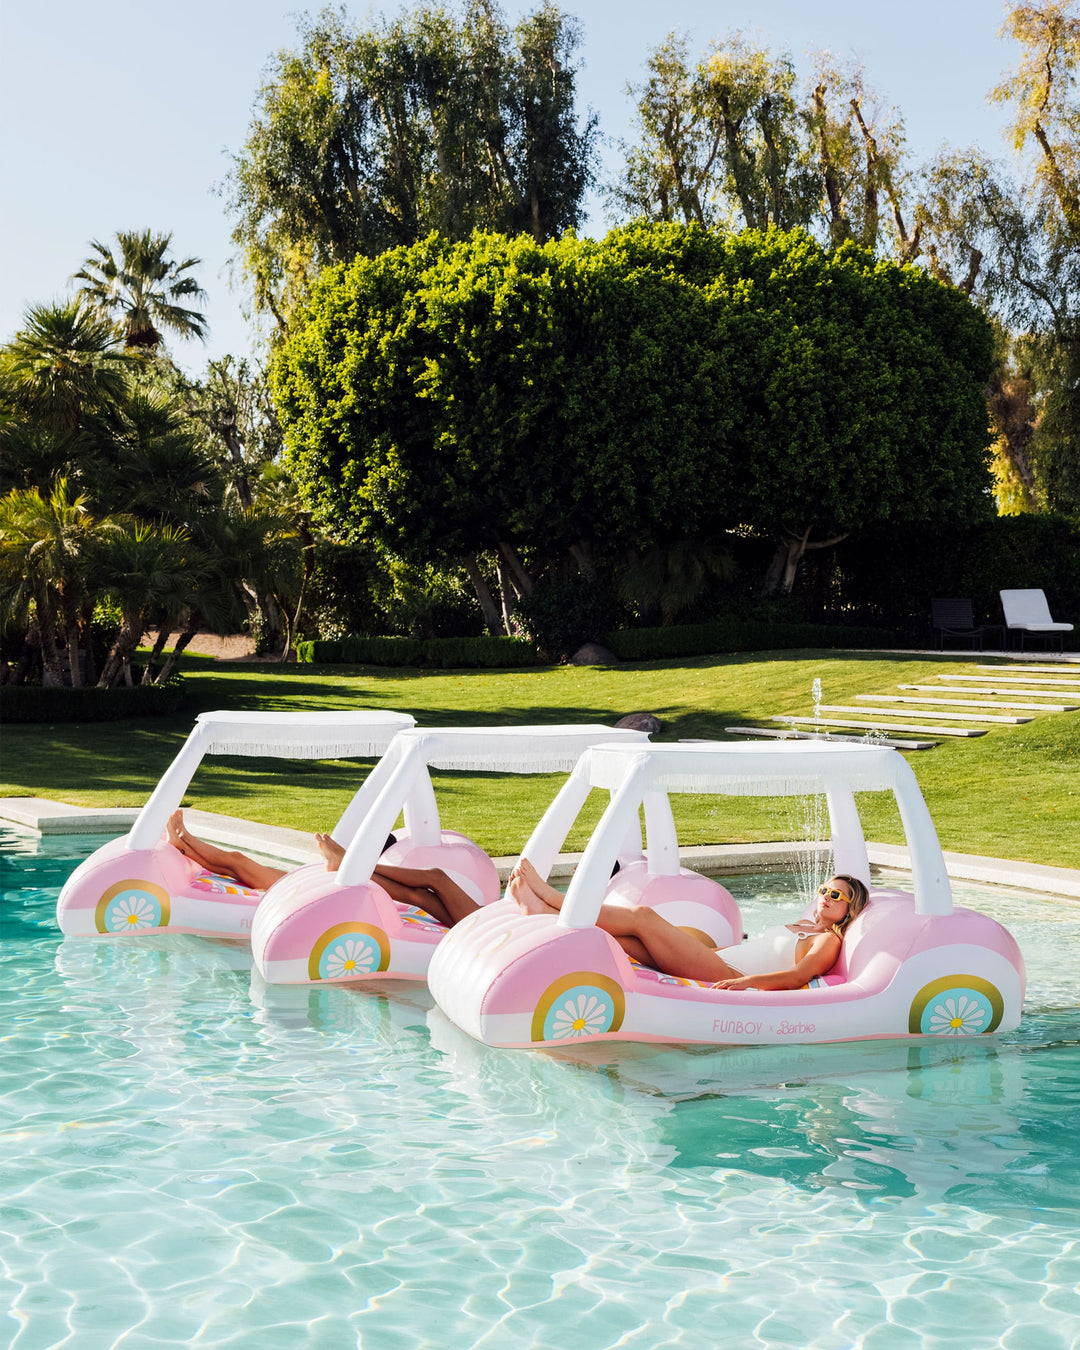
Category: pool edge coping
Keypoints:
(41, 816)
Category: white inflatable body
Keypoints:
(140, 885)
(316, 926)
(910, 965)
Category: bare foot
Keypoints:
(539, 887)
(523, 895)
(174, 830)
(331, 851)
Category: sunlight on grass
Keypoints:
(1014, 793)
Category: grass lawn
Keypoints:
(1014, 793)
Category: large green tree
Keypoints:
(1015, 246)
(732, 139)
(589, 400)
(368, 138)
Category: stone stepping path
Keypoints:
(881, 726)
(1008, 719)
(972, 702)
(792, 735)
(1071, 685)
(1034, 682)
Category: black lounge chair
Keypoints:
(955, 619)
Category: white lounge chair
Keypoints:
(1028, 612)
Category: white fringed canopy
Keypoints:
(530, 749)
(285, 735)
(752, 769)
(338, 734)
(636, 774)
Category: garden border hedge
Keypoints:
(628, 644)
(737, 635)
(35, 703)
(491, 653)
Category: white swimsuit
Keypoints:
(773, 950)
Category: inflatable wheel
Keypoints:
(580, 1004)
(956, 1005)
(347, 951)
(132, 907)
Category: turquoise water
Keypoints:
(192, 1159)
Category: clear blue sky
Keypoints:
(120, 114)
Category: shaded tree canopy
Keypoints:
(368, 138)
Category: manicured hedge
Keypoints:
(459, 652)
(33, 703)
(736, 635)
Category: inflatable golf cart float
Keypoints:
(316, 926)
(910, 964)
(140, 885)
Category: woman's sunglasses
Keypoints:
(829, 894)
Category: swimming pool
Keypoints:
(192, 1158)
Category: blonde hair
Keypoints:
(860, 898)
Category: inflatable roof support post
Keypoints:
(933, 894)
(585, 893)
(151, 820)
(848, 841)
(407, 781)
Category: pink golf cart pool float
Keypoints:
(140, 885)
(316, 926)
(910, 965)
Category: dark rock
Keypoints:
(647, 722)
(592, 654)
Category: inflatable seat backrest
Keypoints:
(878, 940)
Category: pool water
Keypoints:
(193, 1159)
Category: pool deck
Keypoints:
(275, 843)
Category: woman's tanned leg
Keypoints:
(455, 904)
(640, 930)
(227, 862)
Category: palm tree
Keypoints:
(143, 290)
(46, 546)
(147, 568)
(63, 365)
(666, 580)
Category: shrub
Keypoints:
(561, 615)
(736, 635)
(32, 703)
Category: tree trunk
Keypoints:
(120, 654)
(50, 653)
(71, 641)
(839, 225)
(86, 627)
(583, 557)
(194, 623)
(29, 656)
(790, 548)
(152, 660)
(507, 597)
(272, 622)
(522, 580)
(483, 593)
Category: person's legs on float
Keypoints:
(226, 862)
(642, 933)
